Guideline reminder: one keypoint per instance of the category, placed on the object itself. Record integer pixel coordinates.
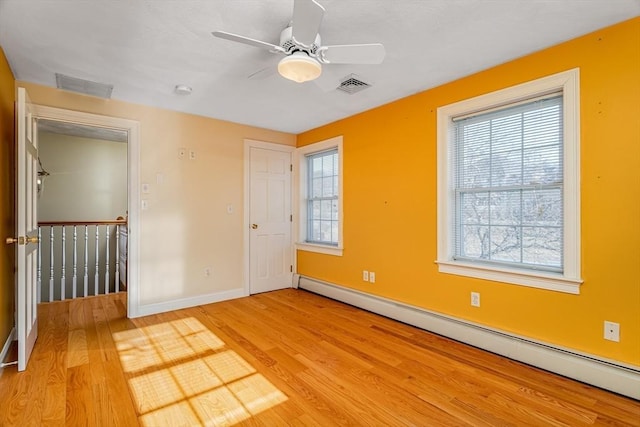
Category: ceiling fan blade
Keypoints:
(262, 73)
(246, 40)
(352, 54)
(307, 17)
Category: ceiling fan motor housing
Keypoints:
(290, 45)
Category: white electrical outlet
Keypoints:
(475, 299)
(372, 277)
(146, 188)
(207, 271)
(192, 154)
(365, 275)
(611, 331)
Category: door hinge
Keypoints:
(291, 218)
(291, 167)
(291, 268)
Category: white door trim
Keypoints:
(248, 144)
(132, 128)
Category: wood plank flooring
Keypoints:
(281, 358)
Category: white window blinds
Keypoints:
(322, 200)
(508, 175)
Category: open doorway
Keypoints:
(105, 135)
(82, 210)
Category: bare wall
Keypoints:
(87, 181)
(186, 226)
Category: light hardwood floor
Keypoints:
(281, 358)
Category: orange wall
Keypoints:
(390, 202)
(7, 215)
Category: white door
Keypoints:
(27, 229)
(270, 221)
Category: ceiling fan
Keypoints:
(300, 43)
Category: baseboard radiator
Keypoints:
(607, 374)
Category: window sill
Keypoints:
(540, 280)
(321, 249)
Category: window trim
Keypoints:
(568, 82)
(300, 170)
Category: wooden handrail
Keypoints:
(59, 223)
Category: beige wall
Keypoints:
(7, 213)
(186, 227)
(87, 181)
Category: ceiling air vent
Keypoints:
(85, 87)
(352, 84)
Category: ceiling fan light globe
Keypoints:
(299, 67)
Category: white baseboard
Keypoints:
(6, 346)
(148, 309)
(607, 374)
(295, 281)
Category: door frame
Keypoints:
(132, 128)
(248, 145)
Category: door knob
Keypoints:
(33, 239)
(20, 240)
(254, 226)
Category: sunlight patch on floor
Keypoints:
(229, 366)
(149, 346)
(195, 377)
(180, 373)
(256, 393)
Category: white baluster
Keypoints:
(39, 265)
(117, 275)
(107, 284)
(97, 278)
(86, 260)
(63, 279)
(75, 261)
(51, 263)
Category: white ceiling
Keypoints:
(147, 47)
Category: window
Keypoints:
(320, 182)
(322, 197)
(508, 185)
